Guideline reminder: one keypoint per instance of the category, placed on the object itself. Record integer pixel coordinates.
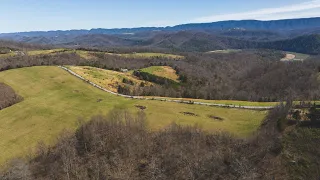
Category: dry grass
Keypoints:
(90, 54)
(106, 78)
(112, 79)
(44, 52)
(85, 54)
(162, 71)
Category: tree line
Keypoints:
(120, 146)
(254, 75)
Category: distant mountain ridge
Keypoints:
(298, 35)
(274, 25)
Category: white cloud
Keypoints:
(291, 11)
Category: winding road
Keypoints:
(167, 100)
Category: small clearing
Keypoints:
(162, 71)
(45, 52)
(91, 54)
(292, 56)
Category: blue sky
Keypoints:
(31, 15)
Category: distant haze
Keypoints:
(34, 15)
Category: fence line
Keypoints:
(167, 100)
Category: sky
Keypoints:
(44, 15)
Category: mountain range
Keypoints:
(300, 35)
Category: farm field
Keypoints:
(292, 56)
(90, 54)
(162, 71)
(107, 78)
(54, 100)
(32, 53)
(149, 55)
(111, 79)
(45, 52)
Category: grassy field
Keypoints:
(106, 78)
(111, 79)
(7, 55)
(231, 102)
(84, 54)
(292, 56)
(54, 100)
(162, 71)
(90, 54)
(44, 52)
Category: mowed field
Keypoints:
(54, 100)
(162, 71)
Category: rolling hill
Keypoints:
(309, 44)
(54, 100)
(186, 41)
(203, 42)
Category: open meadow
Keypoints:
(55, 100)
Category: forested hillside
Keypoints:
(120, 147)
(297, 35)
(255, 75)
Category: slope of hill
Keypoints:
(111, 80)
(194, 41)
(309, 44)
(253, 35)
(188, 40)
(54, 100)
(100, 40)
(203, 42)
(285, 24)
